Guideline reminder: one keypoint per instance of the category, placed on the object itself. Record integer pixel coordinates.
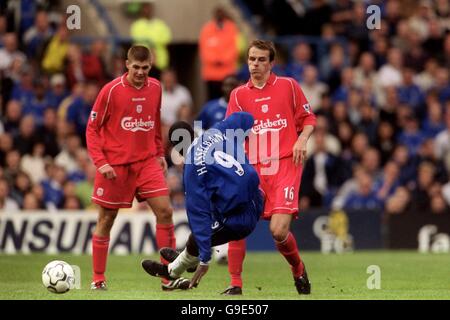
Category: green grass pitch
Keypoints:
(404, 275)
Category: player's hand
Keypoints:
(202, 269)
(299, 151)
(163, 163)
(108, 172)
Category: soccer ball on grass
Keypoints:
(58, 277)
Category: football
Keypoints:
(58, 277)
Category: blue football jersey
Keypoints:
(218, 178)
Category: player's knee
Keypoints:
(279, 234)
(164, 215)
(106, 219)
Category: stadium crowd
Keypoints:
(382, 100)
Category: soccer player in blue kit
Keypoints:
(223, 200)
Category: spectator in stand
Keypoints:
(399, 202)
(427, 78)
(390, 73)
(443, 85)
(332, 65)
(9, 52)
(342, 15)
(153, 33)
(31, 202)
(38, 103)
(411, 136)
(176, 100)
(12, 116)
(22, 185)
(47, 133)
(23, 90)
(94, 66)
(6, 145)
(34, 164)
(53, 186)
(74, 66)
(364, 197)
(411, 94)
(364, 71)
(84, 189)
(301, 57)
(421, 192)
(219, 52)
(434, 120)
(388, 182)
(57, 91)
(79, 111)
(26, 136)
(56, 51)
(312, 87)
(67, 157)
(385, 141)
(36, 37)
(323, 174)
(214, 110)
(12, 166)
(7, 204)
(76, 93)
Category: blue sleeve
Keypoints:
(200, 218)
(203, 117)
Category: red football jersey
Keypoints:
(280, 110)
(124, 126)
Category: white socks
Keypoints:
(181, 263)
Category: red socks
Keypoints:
(165, 237)
(99, 256)
(236, 255)
(288, 248)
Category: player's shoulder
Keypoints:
(239, 89)
(153, 82)
(113, 84)
(287, 80)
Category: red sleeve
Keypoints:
(303, 113)
(99, 116)
(158, 136)
(233, 105)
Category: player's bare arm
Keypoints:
(299, 149)
(202, 269)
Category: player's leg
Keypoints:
(287, 246)
(285, 242)
(165, 234)
(110, 195)
(152, 187)
(100, 245)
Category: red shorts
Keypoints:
(281, 188)
(143, 179)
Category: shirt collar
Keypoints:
(125, 82)
(270, 81)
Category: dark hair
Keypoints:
(139, 53)
(184, 137)
(263, 45)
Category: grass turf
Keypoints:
(404, 275)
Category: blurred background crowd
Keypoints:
(382, 97)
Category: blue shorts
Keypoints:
(240, 223)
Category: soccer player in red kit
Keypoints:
(124, 141)
(283, 123)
